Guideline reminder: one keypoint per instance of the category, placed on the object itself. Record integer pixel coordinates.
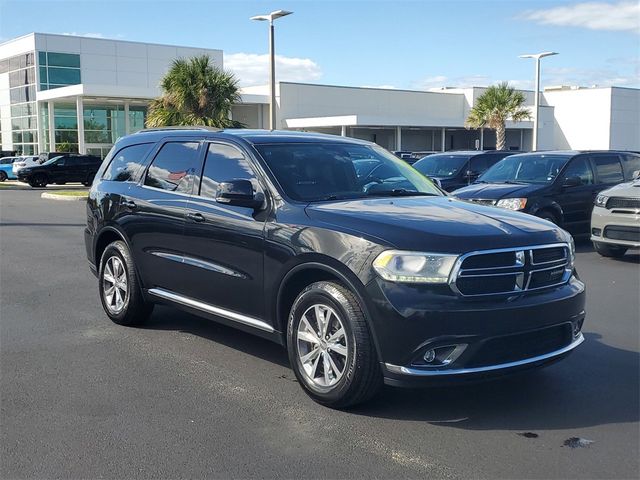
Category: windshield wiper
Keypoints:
(515, 182)
(401, 192)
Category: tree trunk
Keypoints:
(500, 137)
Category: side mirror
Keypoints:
(636, 175)
(436, 181)
(239, 193)
(471, 174)
(572, 182)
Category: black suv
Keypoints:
(61, 170)
(559, 186)
(455, 170)
(367, 274)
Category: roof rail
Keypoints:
(180, 127)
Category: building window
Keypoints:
(137, 117)
(58, 69)
(65, 123)
(103, 124)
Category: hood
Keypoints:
(496, 191)
(438, 224)
(626, 190)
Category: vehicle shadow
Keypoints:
(584, 245)
(168, 318)
(597, 384)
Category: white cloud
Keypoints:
(253, 69)
(620, 16)
(88, 35)
(384, 86)
(587, 77)
(440, 81)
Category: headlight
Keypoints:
(414, 267)
(572, 251)
(601, 201)
(512, 203)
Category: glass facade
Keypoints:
(104, 120)
(58, 69)
(22, 96)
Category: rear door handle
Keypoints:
(195, 216)
(130, 204)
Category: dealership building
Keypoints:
(84, 93)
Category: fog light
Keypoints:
(429, 356)
(577, 327)
(596, 232)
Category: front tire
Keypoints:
(548, 216)
(330, 347)
(39, 180)
(119, 288)
(615, 251)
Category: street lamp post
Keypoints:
(272, 61)
(537, 57)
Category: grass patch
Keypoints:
(70, 193)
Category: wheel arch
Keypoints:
(303, 275)
(553, 208)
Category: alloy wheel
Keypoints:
(322, 345)
(114, 285)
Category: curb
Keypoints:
(66, 198)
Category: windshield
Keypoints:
(441, 165)
(327, 171)
(52, 160)
(527, 168)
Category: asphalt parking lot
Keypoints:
(187, 398)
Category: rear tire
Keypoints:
(330, 347)
(119, 288)
(615, 251)
(3, 176)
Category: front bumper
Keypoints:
(487, 337)
(606, 223)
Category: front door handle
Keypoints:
(130, 204)
(195, 216)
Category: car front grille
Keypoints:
(630, 234)
(509, 271)
(512, 348)
(620, 202)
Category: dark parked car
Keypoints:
(61, 170)
(558, 186)
(457, 169)
(367, 274)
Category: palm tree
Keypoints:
(492, 109)
(195, 92)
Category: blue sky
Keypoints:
(399, 44)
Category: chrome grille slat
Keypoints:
(523, 271)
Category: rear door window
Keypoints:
(127, 164)
(174, 167)
(579, 167)
(608, 168)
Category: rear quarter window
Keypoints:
(127, 164)
(608, 168)
(631, 164)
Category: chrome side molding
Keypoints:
(196, 262)
(419, 372)
(205, 307)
